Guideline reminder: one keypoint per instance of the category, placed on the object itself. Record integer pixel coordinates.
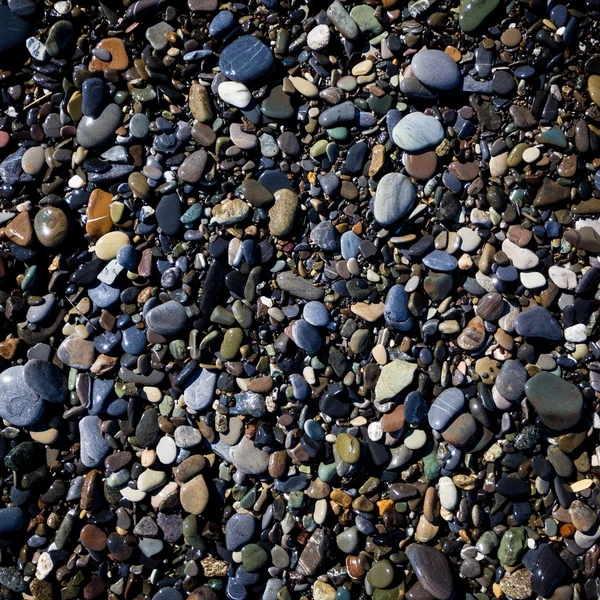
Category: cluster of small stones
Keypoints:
(299, 299)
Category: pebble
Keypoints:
(246, 59)
(395, 197)
(417, 131)
(435, 69)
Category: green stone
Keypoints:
(395, 593)
(512, 545)
(366, 20)
(326, 472)
(337, 133)
(381, 574)
(472, 13)
(254, 557)
(552, 137)
(557, 402)
(395, 376)
(231, 343)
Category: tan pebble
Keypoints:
(109, 244)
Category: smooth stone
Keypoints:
(168, 213)
(239, 530)
(283, 213)
(438, 260)
(36, 314)
(435, 69)
(33, 160)
(249, 459)
(395, 310)
(192, 168)
(166, 450)
(19, 404)
(522, 258)
(472, 13)
(318, 37)
(342, 21)
(448, 493)
(417, 131)
(547, 573)
(76, 352)
(93, 133)
(316, 314)
(235, 93)
(461, 431)
(511, 380)
(394, 377)
(335, 115)
(298, 286)
(538, 322)
(200, 393)
(246, 59)
(13, 30)
(94, 448)
(45, 379)
(167, 319)
(222, 22)
(557, 402)
(395, 197)
(194, 495)
(381, 574)
(432, 570)
(350, 245)
(51, 226)
(306, 336)
(11, 519)
(445, 408)
(512, 544)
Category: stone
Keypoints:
(192, 168)
(19, 404)
(97, 132)
(283, 213)
(199, 395)
(547, 573)
(14, 30)
(395, 310)
(167, 319)
(20, 230)
(98, 220)
(194, 495)
(246, 59)
(249, 459)
(432, 570)
(395, 197)
(511, 380)
(417, 131)
(46, 380)
(472, 13)
(51, 226)
(94, 448)
(435, 69)
(11, 519)
(445, 407)
(557, 401)
(538, 322)
(239, 530)
(76, 352)
(318, 38)
(235, 93)
(394, 377)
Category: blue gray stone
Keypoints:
(306, 336)
(325, 236)
(395, 309)
(538, 322)
(19, 404)
(221, 23)
(246, 59)
(13, 30)
(395, 197)
(134, 340)
(200, 393)
(239, 531)
(417, 131)
(438, 260)
(93, 133)
(316, 313)
(104, 295)
(11, 519)
(445, 407)
(36, 314)
(167, 319)
(45, 379)
(435, 69)
(94, 448)
(350, 245)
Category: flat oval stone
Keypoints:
(435, 69)
(417, 131)
(235, 93)
(445, 407)
(538, 322)
(557, 401)
(200, 393)
(395, 310)
(246, 59)
(167, 319)
(395, 197)
(239, 531)
(432, 570)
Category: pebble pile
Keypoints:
(299, 299)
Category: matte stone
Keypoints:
(395, 197)
(435, 69)
(94, 448)
(167, 319)
(93, 133)
(445, 407)
(538, 322)
(239, 531)
(557, 401)
(200, 393)
(417, 131)
(19, 404)
(511, 380)
(46, 379)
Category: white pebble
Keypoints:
(234, 93)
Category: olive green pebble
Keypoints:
(348, 447)
(381, 574)
(254, 557)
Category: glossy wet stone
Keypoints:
(246, 59)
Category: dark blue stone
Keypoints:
(548, 572)
(538, 322)
(107, 341)
(13, 30)
(134, 340)
(559, 15)
(101, 391)
(415, 408)
(524, 72)
(92, 97)
(104, 295)
(127, 257)
(325, 236)
(274, 180)
(395, 310)
(246, 59)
